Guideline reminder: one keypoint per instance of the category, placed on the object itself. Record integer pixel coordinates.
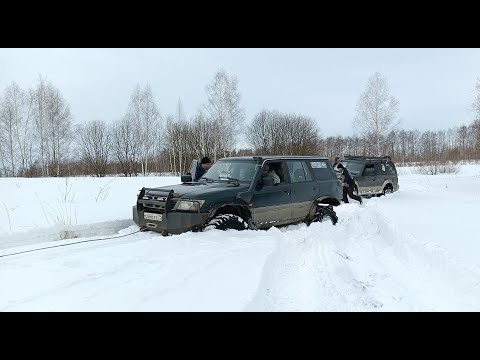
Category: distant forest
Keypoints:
(39, 139)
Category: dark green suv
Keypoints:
(235, 193)
(373, 175)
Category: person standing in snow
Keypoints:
(348, 185)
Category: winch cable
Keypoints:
(78, 242)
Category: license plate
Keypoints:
(151, 216)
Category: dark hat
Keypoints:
(206, 160)
(340, 166)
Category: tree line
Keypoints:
(39, 139)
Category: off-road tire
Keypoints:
(387, 190)
(324, 213)
(225, 222)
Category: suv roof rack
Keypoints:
(385, 158)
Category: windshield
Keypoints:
(225, 170)
(354, 167)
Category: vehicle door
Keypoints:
(304, 189)
(271, 203)
(325, 179)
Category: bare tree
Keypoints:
(94, 141)
(10, 119)
(476, 101)
(376, 111)
(182, 142)
(259, 132)
(462, 141)
(125, 146)
(223, 107)
(203, 135)
(476, 136)
(52, 119)
(15, 131)
(144, 114)
(177, 137)
(304, 136)
(3, 155)
(283, 134)
(59, 129)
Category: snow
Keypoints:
(414, 250)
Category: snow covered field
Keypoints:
(414, 250)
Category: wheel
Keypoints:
(387, 190)
(225, 222)
(325, 213)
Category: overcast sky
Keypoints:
(435, 87)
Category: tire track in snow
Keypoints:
(364, 263)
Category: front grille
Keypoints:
(156, 200)
(159, 205)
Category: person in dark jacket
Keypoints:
(336, 162)
(348, 185)
(203, 167)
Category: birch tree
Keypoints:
(223, 108)
(476, 101)
(144, 117)
(376, 112)
(10, 119)
(52, 122)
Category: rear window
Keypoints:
(390, 169)
(354, 167)
(321, 169)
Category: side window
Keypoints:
(296, 171)
(369, 170)
(278, 168)
(308, 176)
(380, 169)
(321, 170)
(390, 168)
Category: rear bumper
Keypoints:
(171, 223)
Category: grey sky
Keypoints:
(435, 87)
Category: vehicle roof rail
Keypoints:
(385, 158)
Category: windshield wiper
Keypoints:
(207, 179)
(235, 181)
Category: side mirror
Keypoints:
(186, 178)
(268, 181)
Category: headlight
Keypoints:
(189, 205)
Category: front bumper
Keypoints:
(172, 222)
